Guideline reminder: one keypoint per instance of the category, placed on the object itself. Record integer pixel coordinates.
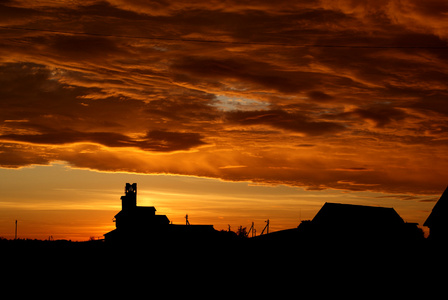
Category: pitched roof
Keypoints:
(138, 211)
(350, 214)
(439, 214)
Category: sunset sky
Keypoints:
(230, 111)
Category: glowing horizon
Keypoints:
(76, 204)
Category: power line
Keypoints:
(179, 39)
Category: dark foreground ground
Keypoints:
(223, 269)
(237, 254)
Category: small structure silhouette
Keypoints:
(141, 224)
(437, 221)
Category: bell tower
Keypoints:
(129, 201)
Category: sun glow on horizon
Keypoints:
(77, 204)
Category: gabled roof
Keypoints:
(349, 214)
(138, 211)
(439, 214)
(140, 216)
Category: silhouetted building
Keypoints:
(438, 219)
(140, 223)
(360, 222)
(347, 224)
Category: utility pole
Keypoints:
(15, 233)
(266, 227)
(251, 229)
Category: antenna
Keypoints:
(15, 233)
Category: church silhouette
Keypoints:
(142, 224)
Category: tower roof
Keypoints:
(439, 214)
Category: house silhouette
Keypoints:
(360, 223)
(437, 221)
(141, 224)
(346, 224)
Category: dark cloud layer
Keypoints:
(321, 94)
(51, 113)
(153, 141)
(280, 119)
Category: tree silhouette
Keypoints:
(242, 232)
